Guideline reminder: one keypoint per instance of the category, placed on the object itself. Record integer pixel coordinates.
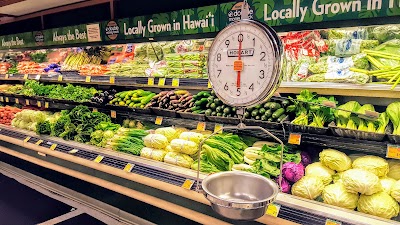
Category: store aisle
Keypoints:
(22, 202)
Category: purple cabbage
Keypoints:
(292, 171)
(305, 158)
(285, 185)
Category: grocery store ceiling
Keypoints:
(14, 8)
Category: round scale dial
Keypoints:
(244, 63)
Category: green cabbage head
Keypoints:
(337, 195)
(373, 164)
(335, 160)
(319, 170)
(387, 184)
(379, 204)
(309, 187)
(361, 181)
(394, 169)
(395, 192)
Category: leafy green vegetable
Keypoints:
(43, 127)
(393, 111)
(342, 117)
(220, 159)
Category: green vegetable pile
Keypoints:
(272, 111)
(128, 141)
(310, 111)
(136, 99)
(57, 91)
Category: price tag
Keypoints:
(98, 158)
(113, 114)
(42, 154)
(112, 80)
(27, 102)
(372, 114)
(7, 100)
(16, 101)
(393, 151)
(46, 105)
(6, 76)
(27, 139)
(218, 127)
(39, 142)
(87, 79)
(273, 209)
(60, 78)
(175, 82)
(201, 126)
(53, 147)
(73, 151)
(332, 222)
(158, 120)
(329, 104)
(294, 138)
(95, 110)
(1, 99)
(37, 77)
(150, 81)
(209, 85)
(26, 76)
(39, 104)
(161, 82)
(129, 167)
(188, 184)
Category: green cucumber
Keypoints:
(275, 106)
(278, 113)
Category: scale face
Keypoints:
(244, 63)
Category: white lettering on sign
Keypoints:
(158, 27)
(18, 41)
(139, 29)
(201, 23)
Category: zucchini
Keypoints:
(267, 105)
(195, 108)
(201, 102)
(281, 118)
(264, 118)
(268, 113)
(254, 113)
(278, 113)
(285, 103)
(275, 106)
(291, 108)
(262, 111)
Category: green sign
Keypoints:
(21, 40)
(188, 21)
(205, 20)
(83, 33)
(284, 12)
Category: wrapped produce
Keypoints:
(154, 154)
(386, 32)
(340, 77)
(168, 132)
(348, 47)
(191, 136)
(184, 146)
(332, 63)
(156, 141)
(358, 33)
(178, 159)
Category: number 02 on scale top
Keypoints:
(244, 63)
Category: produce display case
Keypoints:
(161, 86)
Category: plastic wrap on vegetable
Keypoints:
(340, 77)
(191, 136)
(154, 154)
(300, 71)
(357, 33)
(184, 146)
(386, 32)
(173, 57)
(332, 64)
(170, 47)
(178, 159)
(156, 141)
(168, 132)
(154, 52)
(348, 47)
(140, 51)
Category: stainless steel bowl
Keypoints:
(239, 195)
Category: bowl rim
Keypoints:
(274, 186)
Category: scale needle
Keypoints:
(239, 58)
